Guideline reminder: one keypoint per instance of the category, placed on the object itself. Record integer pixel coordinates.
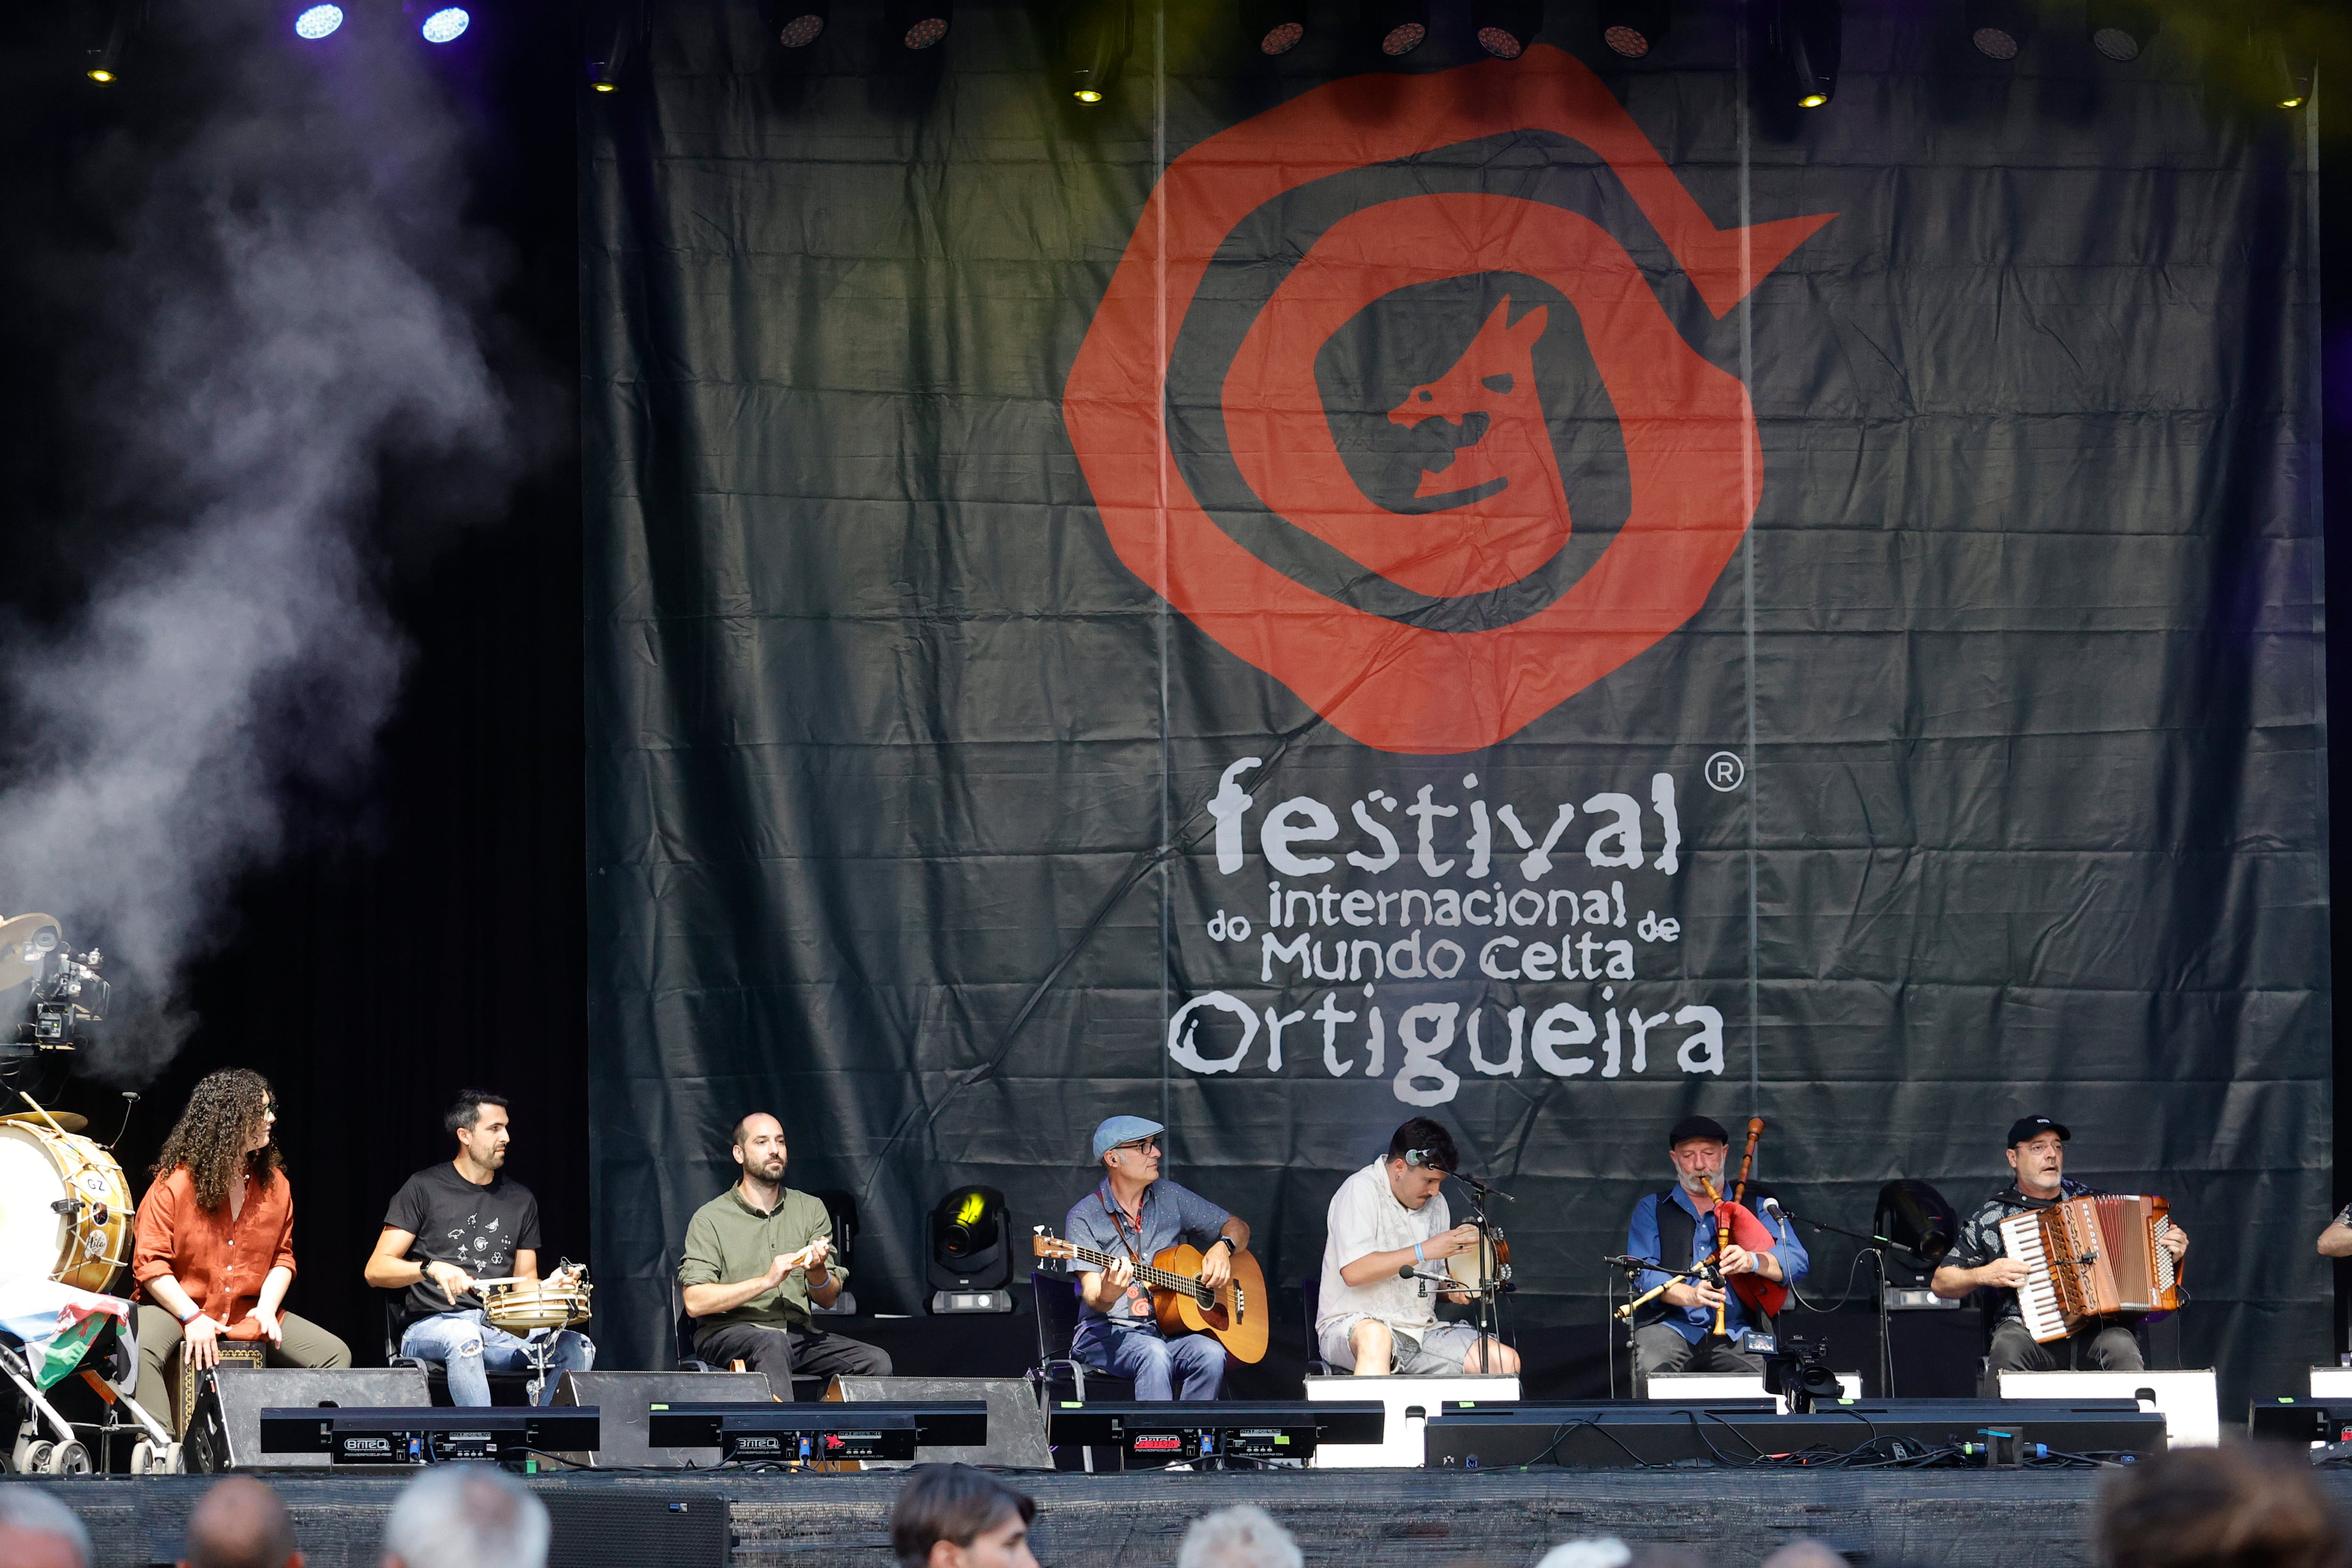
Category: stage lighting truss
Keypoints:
(1096, 36)
(613, 30)
(1999, 28)
(1506, 28)
(1807, 38)
(917, 23)
(1273, 27)
(105, 28)
(1396, 26)
(1632, 28)
(2120, 30)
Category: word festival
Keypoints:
(1541, 900)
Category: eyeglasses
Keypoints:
(1140, 1145)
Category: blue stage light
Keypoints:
(317, 21)
(444, 26)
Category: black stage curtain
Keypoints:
(1055, 650)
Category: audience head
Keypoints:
(241, 1523)
(1805, 1554)
(1242, 1536)
(952, 1516)
(463, 1516)
(2233, 1507)
(37, 1530)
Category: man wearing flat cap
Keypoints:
(1675, 1333)
(1131, 1215)
(1978, 1261)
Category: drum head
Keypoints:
(32, 1234)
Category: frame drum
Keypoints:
(65, 1209)
(522, 1308)
(1485, 1266)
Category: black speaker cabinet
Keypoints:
(593, 1527)
(622, 1397)
(1017, 1424)
(225, 1433)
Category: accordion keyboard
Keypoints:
(2037, 1298)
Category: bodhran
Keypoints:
(84, 1243)
(1485, 1266)
(524, 1308)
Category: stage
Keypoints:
(1361, 1518)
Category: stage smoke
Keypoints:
(295, 302)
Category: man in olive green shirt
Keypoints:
(756, 1256)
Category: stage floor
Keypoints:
(1358, 1519)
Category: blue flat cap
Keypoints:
(1121, 1129)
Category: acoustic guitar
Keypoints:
(1239, 1312)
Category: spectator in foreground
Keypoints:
(37, 1530)
(952, 1516)
(466, 1516)
(1805, 1554)
(1242, 1536)
(240, 1523)
(2232, 1506)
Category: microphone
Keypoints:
(1405, 1272)
(1772, 1207)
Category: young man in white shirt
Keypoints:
(1385, 1218)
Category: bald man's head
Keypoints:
(240, 1523)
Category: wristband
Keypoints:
(1417, 1257)
(192, 1317)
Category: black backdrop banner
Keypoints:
(1310, 594)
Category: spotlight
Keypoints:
(105, 27)
(1999, 28)
(1632, 27)
(803, 22)
(317, 21)
(612, 29)
(1096, 38)
(1397, 26)
(1506, 28)
(917, 23)
(1806, 37)
(1275, 27)
(446, 26)
(972, 1252)
(2291, 83)
(2120, 30)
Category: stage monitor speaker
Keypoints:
(224, 1432)
(623, 1396)
(591, 1528)
(1016, 1426)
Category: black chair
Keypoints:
(1058, 1328)
(1310, 1294)
(506, 1388)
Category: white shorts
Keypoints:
(1436, 1352)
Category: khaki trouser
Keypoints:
(307, 1344)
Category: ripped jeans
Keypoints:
(470, 1347)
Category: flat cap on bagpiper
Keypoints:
(2027, 1128)
(1691, 1127)
(1120, 1130)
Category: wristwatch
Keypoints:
(1230, 1244)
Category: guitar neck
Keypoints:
(1162, 1278)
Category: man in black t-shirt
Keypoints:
(1980, 1261)
(450, 1226)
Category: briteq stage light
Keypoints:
(1632, 27)
(2120, 30)
(1396, 26)
(1999, 28)
(1807, 38)
(917, 23)
(1273, 27)
(1506, 28)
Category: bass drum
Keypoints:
(1485, 1266)
(84, 1242)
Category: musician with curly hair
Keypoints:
(212, 1248)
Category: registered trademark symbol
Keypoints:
(1726, 771)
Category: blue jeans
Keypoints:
(1152, 1363)
(470, 1347)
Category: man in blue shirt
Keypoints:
(1675, 1333)
(1131, 1215)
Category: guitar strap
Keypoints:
(1119, 1223)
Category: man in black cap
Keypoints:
(1978, 1261)
(1675, 1332)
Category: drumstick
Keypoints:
(44, 1114)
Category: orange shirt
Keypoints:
(220, 1262)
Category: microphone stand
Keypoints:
(1875, 1247)
(1489, 1311)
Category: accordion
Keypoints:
(2090, 1261)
